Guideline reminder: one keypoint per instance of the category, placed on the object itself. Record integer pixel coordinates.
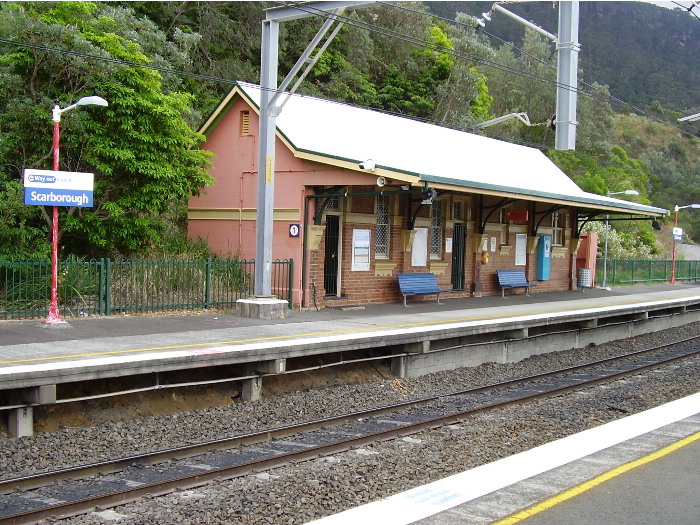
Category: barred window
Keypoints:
(436, 230)
(458, 210)
(558, 222)
(333, 204)
(381, 246)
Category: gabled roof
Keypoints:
(420, 152)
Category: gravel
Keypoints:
(300, 493)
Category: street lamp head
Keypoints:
(688, 206)
(92, 101)
(626, 192)
(85, 101)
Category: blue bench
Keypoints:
(419, 284)
(513, 279)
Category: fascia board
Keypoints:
(585, 199)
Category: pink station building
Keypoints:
(361, 196)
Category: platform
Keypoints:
(422, 338)
(641, 469)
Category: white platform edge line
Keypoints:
(88, 363)
(427, 500)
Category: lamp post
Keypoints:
(54, 315)
(675, 225)
(607, 228)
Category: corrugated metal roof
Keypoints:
(431, 153)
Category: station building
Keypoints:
(361, 196)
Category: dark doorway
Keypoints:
(459, 244)
(331, 261)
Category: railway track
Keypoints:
(81, 489)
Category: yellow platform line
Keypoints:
(592, 483)
(334, 332)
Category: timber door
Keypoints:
(332, 256)
(459, 244)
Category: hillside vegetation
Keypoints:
(164, 66)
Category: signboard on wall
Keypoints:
(360, 250)
(516, 215)
(419, 252)
(520, 249)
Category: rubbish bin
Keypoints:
(584, 278)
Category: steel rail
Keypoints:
(73, 508)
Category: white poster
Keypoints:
(520, 249)
(448, 245)
(419, 253)
(360, 250)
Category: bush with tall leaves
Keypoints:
(141, 148)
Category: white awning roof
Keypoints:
(428, 152)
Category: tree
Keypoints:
(141, 148)
(464, 98)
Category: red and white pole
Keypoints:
(54, 315)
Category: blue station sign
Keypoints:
(58, 188)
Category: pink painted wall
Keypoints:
(235, 188)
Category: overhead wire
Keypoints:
(592, 88)
(430, 45)
(209, 78)
(349, 21)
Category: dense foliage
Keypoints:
(141, 148)
(164, 65)
(641, 51)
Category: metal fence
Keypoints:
(105, 287)
(630, 271)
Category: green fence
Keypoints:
(631, 271)
(105, 287)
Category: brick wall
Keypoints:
(368, 287)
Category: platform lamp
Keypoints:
(54, 315)
(607, 228)
(675, 225)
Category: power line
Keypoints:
(460, 55)
(349, 21)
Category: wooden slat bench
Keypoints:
(513, 279)
(419, 284)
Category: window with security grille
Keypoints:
(558, 222)
(436, 230)
(381, 246)
(333, 204)
(458, 210)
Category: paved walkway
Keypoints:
(166, 327)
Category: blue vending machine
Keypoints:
(544, 256)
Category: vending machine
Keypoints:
(544, 257)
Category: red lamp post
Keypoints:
(54, 315)
(675, 225)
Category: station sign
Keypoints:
(58, 188)
(516, 215)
